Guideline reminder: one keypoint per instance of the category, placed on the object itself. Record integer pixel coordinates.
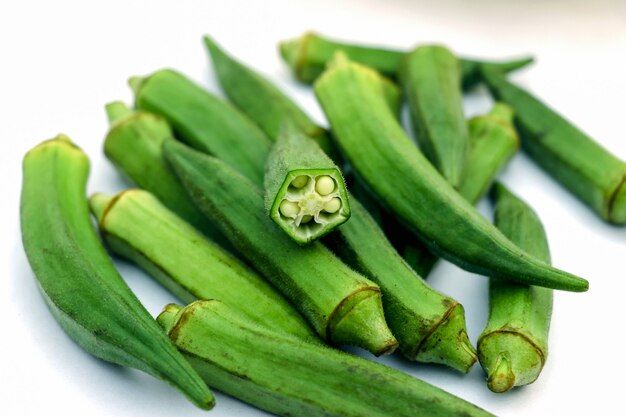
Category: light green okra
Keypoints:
(202, 120)
(379, 150)
(493, 142)
(431, 79)
(305, 193)
(573, 158)
(343, 306)
(309, 54)
(429, 326)
(133, 144)
(514, 345)
(136, 226)
(82, 288)
(288, 377)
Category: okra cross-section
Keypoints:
(304, 190)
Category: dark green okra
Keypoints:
(379, 150)
(194, 115)
(305, 193)
(573, 158)
(138, 227)
(493, 142)
(429, 326)
(84, 291)
(308, 55)
(343, 306)
(514, 345)
(133, 144)
(431, 79)
(288, 377)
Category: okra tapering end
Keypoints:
(359, 323)
(305, 192)
(449, 344)
(572, 157)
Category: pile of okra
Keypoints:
(287, 240)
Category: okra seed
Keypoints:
(333, 205)
(306, 218)
(289, 209)
(300, 181)
(324, 185)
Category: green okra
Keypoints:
(514, 345)
(573, 158)
(305, 193)
(430, 77)
(133, 144)
(136, 226)
(250, 92)
(343, 306)
(308, 55)
(493, 142)
(289, 377)
(379, 150)
(429, 326)
(241, 85)
(203, 121)
(84, 291)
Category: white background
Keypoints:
(61, 61)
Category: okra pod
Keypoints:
(573, 158)
(309, 54)
(82, 288)
(429, 326)
(343, 306)
(136, 226)
(379, 150)
(305, 193)
(493, 142)
(133, 145)
(430, 77)
(203, 121)
(288, 377)
(514, 345)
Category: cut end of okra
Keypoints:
(310, 204)
(168, 317)
(360, 321)
(98, 204)
(449, 344)
(117, 111)
(510, 359)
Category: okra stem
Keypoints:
(288, 377)
(308, 56)
(407, 184)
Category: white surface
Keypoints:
(62, 61)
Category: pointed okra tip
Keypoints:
(98, 204)
(449, 344)
(212, 47)
(117, 111)
(362, 323)
(501, 378)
